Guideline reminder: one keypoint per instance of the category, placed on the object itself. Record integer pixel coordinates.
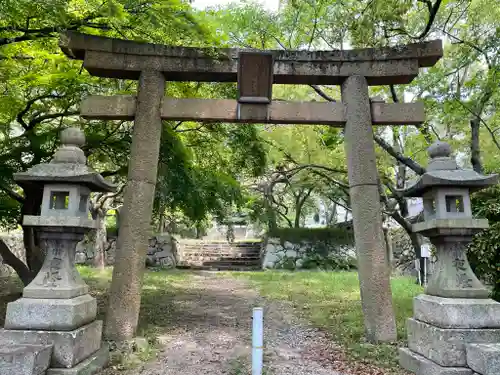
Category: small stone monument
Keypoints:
(455, 313)
(56, 309)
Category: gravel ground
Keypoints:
(213, 334)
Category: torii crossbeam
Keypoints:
(255, 72)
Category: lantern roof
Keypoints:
(69, 165)
(443, 171)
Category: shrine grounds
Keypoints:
(326, 304)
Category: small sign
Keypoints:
(425, 250)
(255, 77)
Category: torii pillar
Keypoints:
(255, 73)
(371, 249)
(139, 192)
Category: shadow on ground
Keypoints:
(171, 303)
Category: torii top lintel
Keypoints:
(116, 58)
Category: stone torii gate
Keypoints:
(255, 72)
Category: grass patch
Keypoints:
(158, 290)
(157, 308)
(331, 301)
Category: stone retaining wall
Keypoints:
(285, 254)
(162, 251)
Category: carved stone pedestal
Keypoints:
(56, 310)
(455, 311)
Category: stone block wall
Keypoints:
(403, 254)
(85, 252)
(162, 251)
(285, 254)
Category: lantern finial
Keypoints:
(70, 152)
(439, 149)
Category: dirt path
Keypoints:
(213, 334)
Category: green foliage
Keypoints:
(194, 181)
(328, 262)
(484, 251)
(338, 235)
(9, 208)
(42, 90)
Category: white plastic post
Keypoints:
(257, 341)
(425, 271)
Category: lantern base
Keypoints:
(443, 329)
(69, 347)
(457, 312)
(420, 365)
(51, 314)
(92, 365)
(446, 346)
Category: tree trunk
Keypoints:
(332, 217)
(298, 211)
(98, 238)
(388, 246)
(415, 241)
(9, 258)
(32, 206)
(161, 223)
(299, 204)
(475, 150)
(270, 214)
(117, 214)
(199, 231)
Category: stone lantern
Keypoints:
(56, 309)
(455, 312)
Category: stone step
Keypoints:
(222, 262)
(227, 251)
(217, 257)
(221, 255)
(218, 243)
(419, 365)
(484, 359)
(230, 248)
(24, 359)
(230, 251)
(446, 346)
(221, 268)
(215, 247)
(91, 365)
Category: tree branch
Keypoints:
(433, 10)
(190, 129)
(50, 31)
(37, 120)
(14, 195)
(323, 94)
(177, 125)
(27, 107)
(478, 116)
(114, 173)
(471, 45)
(414, 166)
